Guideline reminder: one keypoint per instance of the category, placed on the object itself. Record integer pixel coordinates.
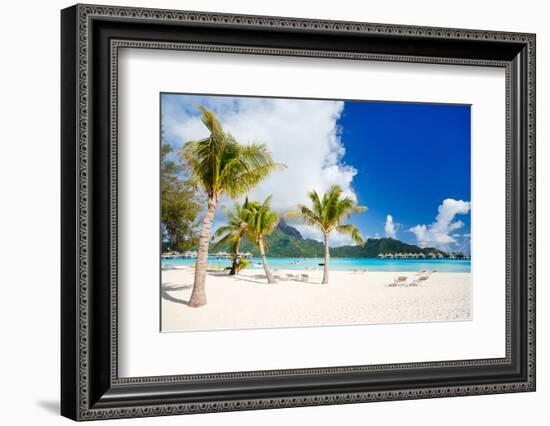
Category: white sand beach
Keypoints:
(247, 301)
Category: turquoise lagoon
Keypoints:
(344, 264)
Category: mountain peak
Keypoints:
(289, 230)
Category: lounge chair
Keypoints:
(294, 277)
(304, 278)
(398, 281)
(419, 280)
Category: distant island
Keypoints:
(286, 241)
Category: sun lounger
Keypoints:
(304, 278)
(398, 281)
(419, 280)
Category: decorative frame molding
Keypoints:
(91, 388)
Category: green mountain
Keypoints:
(286, 241)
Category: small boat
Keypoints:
(321, 264)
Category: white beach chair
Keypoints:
(417, 281)
(304, 278)
(399, 281)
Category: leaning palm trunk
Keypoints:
(235, 260)
(198, 296)
(327, 258)
(270, 279)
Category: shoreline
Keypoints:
(246, 301)
(338, 264)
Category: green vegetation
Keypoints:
(262, 221)
(286, 241)
(219, 165)
(374, 246)
(241, 264)
(327, 213)
(179, 205)
(232, 233)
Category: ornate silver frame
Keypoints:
(91, 388)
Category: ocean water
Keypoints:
(344, 264)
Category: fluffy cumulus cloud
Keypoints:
(302, 134)
(441, 233)
(335, 238)
(390, 228)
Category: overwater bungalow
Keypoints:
(222, 255)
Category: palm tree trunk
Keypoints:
(327, 258)
(270, 279)
(198, 296)
(235, 257)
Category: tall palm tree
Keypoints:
(327, 213)
(262, 222)
(219, 165)
(233, 232)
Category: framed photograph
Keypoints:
(264, 212)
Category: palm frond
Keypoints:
(226, 239)
(328, 210)
(262, 219)
(351, 230)
(317, 204)
(219, 164)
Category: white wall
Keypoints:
(29, 181)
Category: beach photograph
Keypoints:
(288, 212)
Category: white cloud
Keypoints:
(440, 232)
(336, 239)
(303, 134)
(390, 228)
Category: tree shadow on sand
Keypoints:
(259, 278)
(167, 287)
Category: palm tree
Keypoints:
(219, 165)
(233, 232)
(327, 213)
(262, 222)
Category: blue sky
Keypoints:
(408, 162)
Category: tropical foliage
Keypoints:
(218, 165)
(232, 233)
(179, 205)
(286, 241)
(241, 264)
(327, 213)
(261, 222)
